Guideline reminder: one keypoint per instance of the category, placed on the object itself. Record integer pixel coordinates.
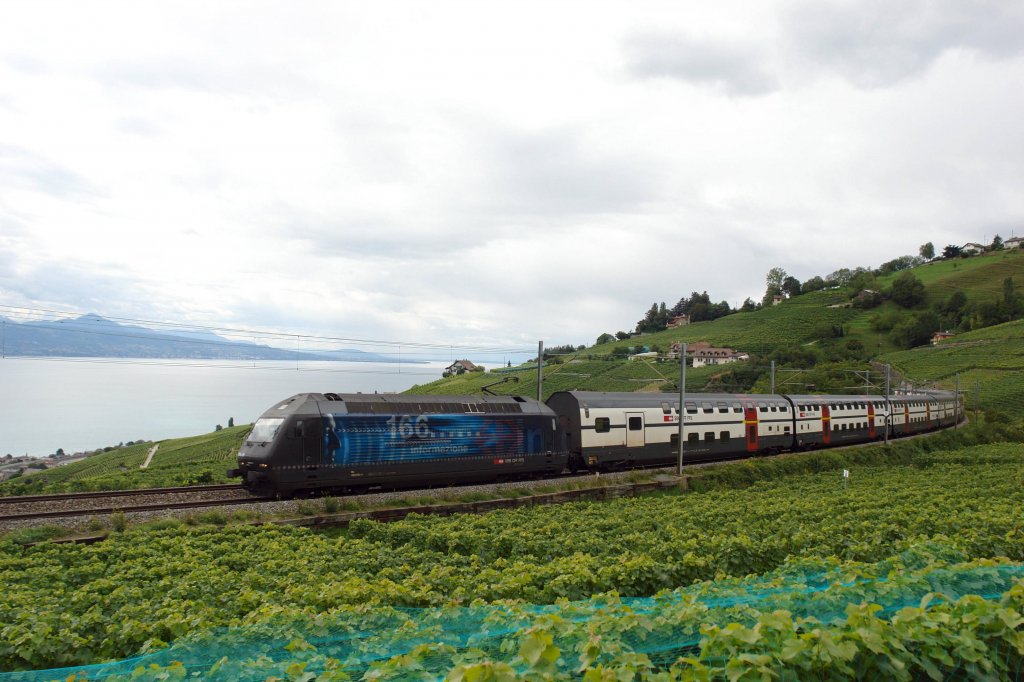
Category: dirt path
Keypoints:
(149, 456)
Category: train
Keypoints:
(347, 442)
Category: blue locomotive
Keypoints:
(355, 441)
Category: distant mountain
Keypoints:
(96, 337)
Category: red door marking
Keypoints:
(871, 420)
(750, 424)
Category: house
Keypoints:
(941, 336)
(972, 247)
(691, 348)
(679, 321)
(717, 356)
(777, 299)
(458, 367)
(1013, 243)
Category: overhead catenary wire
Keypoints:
(49, 315)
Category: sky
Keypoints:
(489, 173)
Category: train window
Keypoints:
(707, 407)
(666, 408)
(264, 430)
(724, 435)
(722, 407)
(709, 435)
(602, 425)
(636, 423)
(736, 408)
(786, 430)
(763, 407)
(693, 437)
(773, 408)
(674, 439)
(691, 408)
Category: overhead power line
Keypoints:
(58, 316)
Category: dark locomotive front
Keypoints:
(349, 441)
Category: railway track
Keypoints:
(126, 509)
(101, 494)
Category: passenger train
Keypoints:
(347, 442)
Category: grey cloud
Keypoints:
(557, 173)
(731, 68)
(22, 168)
(79, 288)
(877, 44)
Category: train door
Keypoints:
(307, 443)
(750, 424)
(635, 430)
(826, 424)
(871, 420)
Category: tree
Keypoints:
(231, 422)
(605, 338)
(952, 251)
(748, 306)
(622, 336)
(791, 286)
(907, 291)
(927, 251)
(916, 330)
(773, 281)
(839, 278)
(775, 277)
(655, 320)
(997, 244)
(815, 283)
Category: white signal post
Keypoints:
(682, 409)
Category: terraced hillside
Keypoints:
(178, 461)
(812, 322)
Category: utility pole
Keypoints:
(540, 371)
(888, 404)
(977, 398)
(682, 405)
(771, 391)
(956, 405)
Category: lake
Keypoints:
(87, 403)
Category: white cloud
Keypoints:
(451, 173)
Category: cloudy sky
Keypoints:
(485, 173)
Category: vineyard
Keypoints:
(384, 600)
(179, 461)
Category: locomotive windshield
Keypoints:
(264, 430)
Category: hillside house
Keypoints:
(717, 356)
(777, 299)
(691, 348)
(973, 248)
(941, 336)
(1013, 243)
(679, 321)
(459, 367)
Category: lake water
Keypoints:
(83, 404)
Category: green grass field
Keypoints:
(178, 461)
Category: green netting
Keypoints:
(808, 620)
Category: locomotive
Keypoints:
(355, 441)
